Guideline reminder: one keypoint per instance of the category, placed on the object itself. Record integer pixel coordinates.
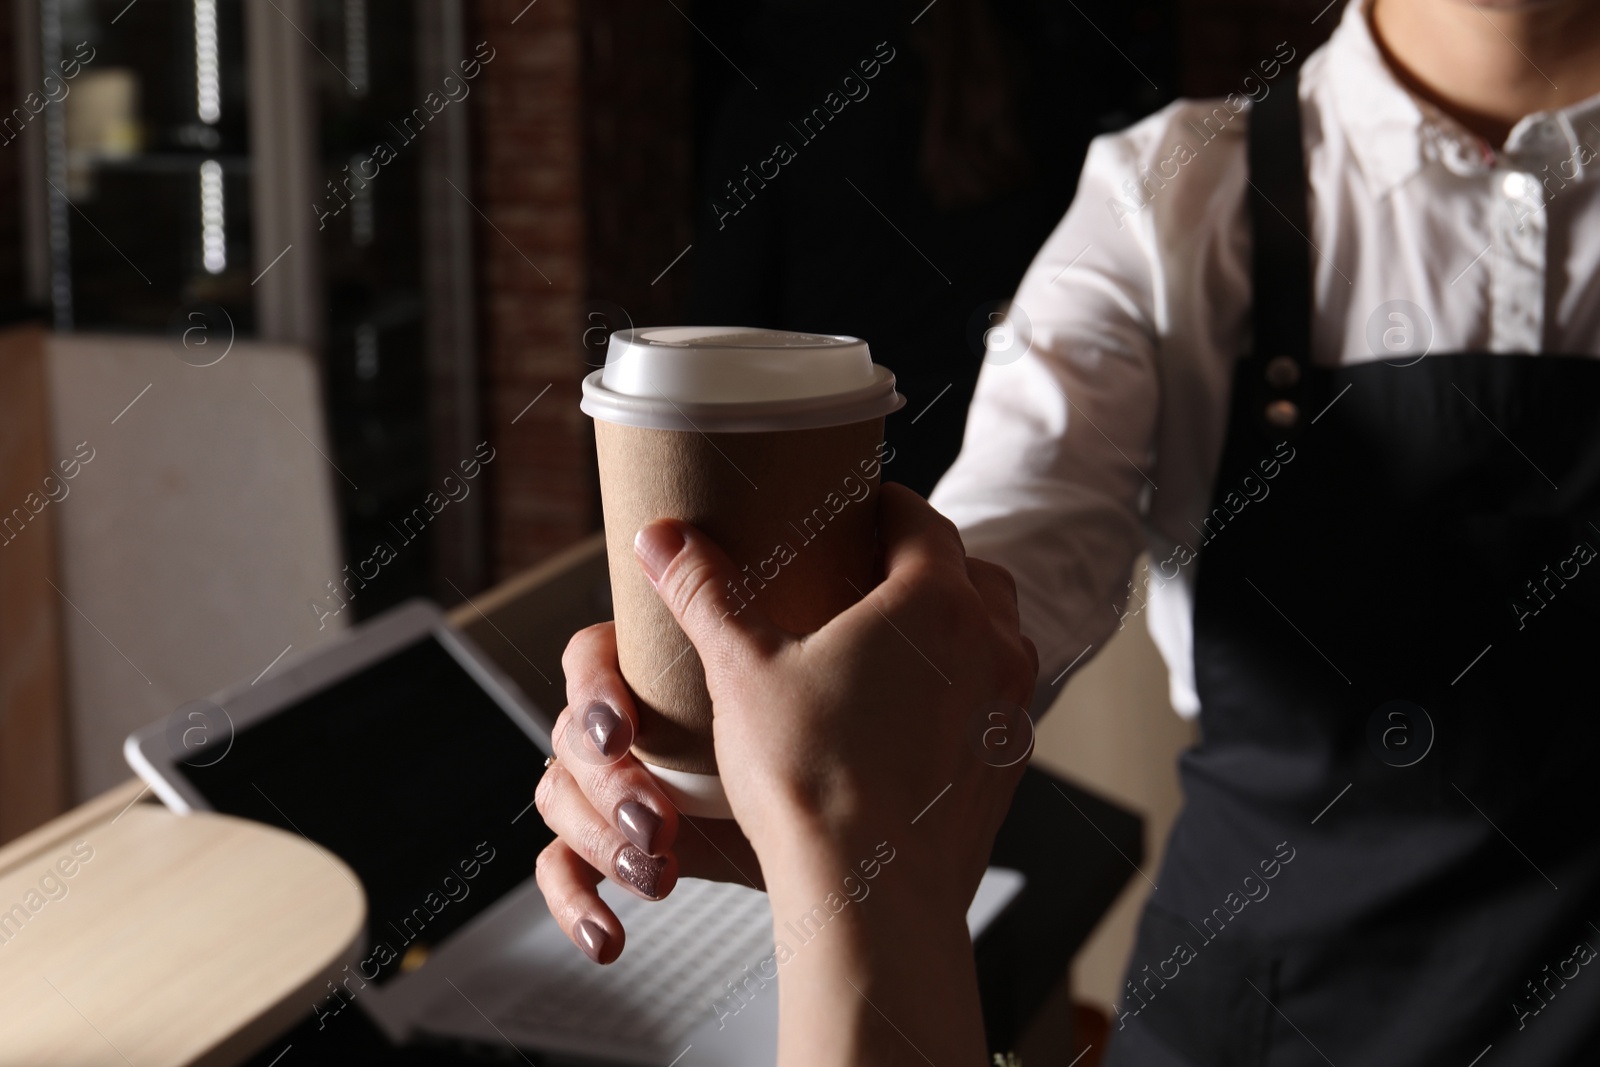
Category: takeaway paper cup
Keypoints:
(772, 443)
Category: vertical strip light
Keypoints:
(208, 86)
(355, 46)
(57, 217)
(213, 239)
(361, 212)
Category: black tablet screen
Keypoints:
(409, 772)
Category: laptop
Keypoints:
(401, 748)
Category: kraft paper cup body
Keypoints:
(795, 509)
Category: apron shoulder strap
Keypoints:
(1280, 232)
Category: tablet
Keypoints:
(399, 747)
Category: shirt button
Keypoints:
(1515, 185)
(1282, 414)
(1282, 372)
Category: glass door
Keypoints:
(147, 161)
(289, 163)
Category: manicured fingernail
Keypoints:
(640, 870)
(638, 824)
(601, 724)
(657, 545)
(591, 938)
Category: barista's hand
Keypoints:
(829, 744)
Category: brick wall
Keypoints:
(581, 165)
(530, 256)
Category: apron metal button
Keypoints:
(1283, 414)
(1282, 372)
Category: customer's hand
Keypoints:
(830, 745)
(613, 819)
(837, 740)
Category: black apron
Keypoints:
(1389, 851)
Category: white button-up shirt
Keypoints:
(1099, 417)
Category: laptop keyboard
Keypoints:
(681, 956)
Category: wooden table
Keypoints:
(196, 939)
(136, 936)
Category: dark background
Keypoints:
(599, 138)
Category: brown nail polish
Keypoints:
(638, 824)
(641, 870)
(602, 725)
(591, 938)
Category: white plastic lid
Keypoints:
(737, 379)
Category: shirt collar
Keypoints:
(1393, 134)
